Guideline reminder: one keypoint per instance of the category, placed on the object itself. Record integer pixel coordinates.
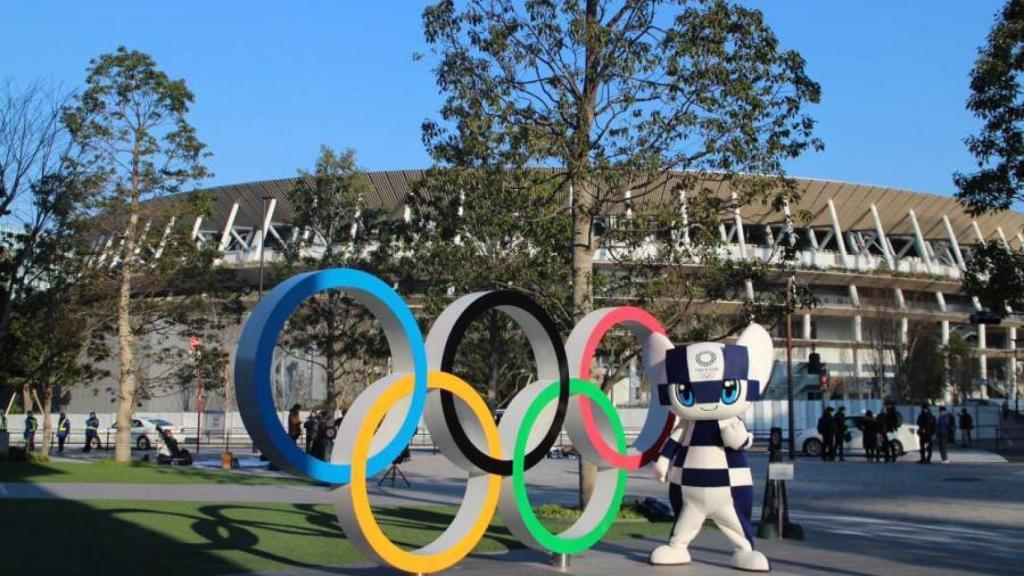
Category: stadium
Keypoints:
(877, 259)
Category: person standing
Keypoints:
(944, 427)
(966, 426)
(310, 428)
(63, 431)
(827, 429)
(925, 433)
(295, 423)
(92, 428)
(841, 432)
(31, 425)
(892, 422)
(869, 429)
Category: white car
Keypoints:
(905, 438)
(144, 434)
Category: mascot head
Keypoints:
(713, 381)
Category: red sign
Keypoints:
(824, 382)
(194, 343)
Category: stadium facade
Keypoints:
(875, 257)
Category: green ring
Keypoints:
(554, 542)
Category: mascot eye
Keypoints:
(686, 397)
(730, 392)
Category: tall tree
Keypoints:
(995, 100)
(925, 376)
(38, 185)
(131, 124)
(994, 273)
(619, 96)
(345, 231)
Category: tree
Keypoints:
(995, 99)
(472, 230)
(130, 124)
(620, 97)
(993, 273)
(925, 374)
(38, 185)
(340, 336)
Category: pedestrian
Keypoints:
(869, 429)
(827, 429)
(925, 433)
(1006, 410)
(295, 423)
(841, 432)
(944, 427)
(310, 428)
(92, 427)
(966, 426)
(63, 431)
(3, 422)
(31, 425)
(324, 440)
(889, 421)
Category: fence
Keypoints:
(760, 418)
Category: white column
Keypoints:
(883, 239)
(945, 332)
(195, 228)
(684, 214)
(225, 236)
(806, 326)
(904, 329)
(737, 220)
(953, 242)
(261, 234)
(858, 328)
(837, 231)
(922, 246)
(163, 239)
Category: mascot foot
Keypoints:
(751, 560)
(668, 555)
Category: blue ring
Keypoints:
(254, 360)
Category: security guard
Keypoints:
(31, 425)
(92, 426)
(63, 431)
(3, 422)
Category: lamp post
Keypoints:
(789, 367)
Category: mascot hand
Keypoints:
(661, 467)
(734, 434)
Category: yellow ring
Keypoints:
(422, 560)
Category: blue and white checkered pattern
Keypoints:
(700, 458)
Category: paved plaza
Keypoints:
(860, 518)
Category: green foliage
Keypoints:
(995, 100)
(961, 367)
(924, 367)
(995, 275)
(331, 330)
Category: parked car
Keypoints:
(905, 438)
(144, 434)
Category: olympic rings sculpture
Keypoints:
(384, 417)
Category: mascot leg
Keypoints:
(733, 518)
(688, 524)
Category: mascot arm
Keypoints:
(668, 451)
(735, 434)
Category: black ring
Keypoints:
(500, 299)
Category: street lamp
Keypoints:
(789, 366)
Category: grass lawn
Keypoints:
(70, 538)
(105, 471)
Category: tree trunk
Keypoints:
(47, 418)
(125, 335)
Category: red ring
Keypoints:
(620, 315)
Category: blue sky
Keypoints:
(274, 80)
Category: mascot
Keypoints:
(709, 386)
